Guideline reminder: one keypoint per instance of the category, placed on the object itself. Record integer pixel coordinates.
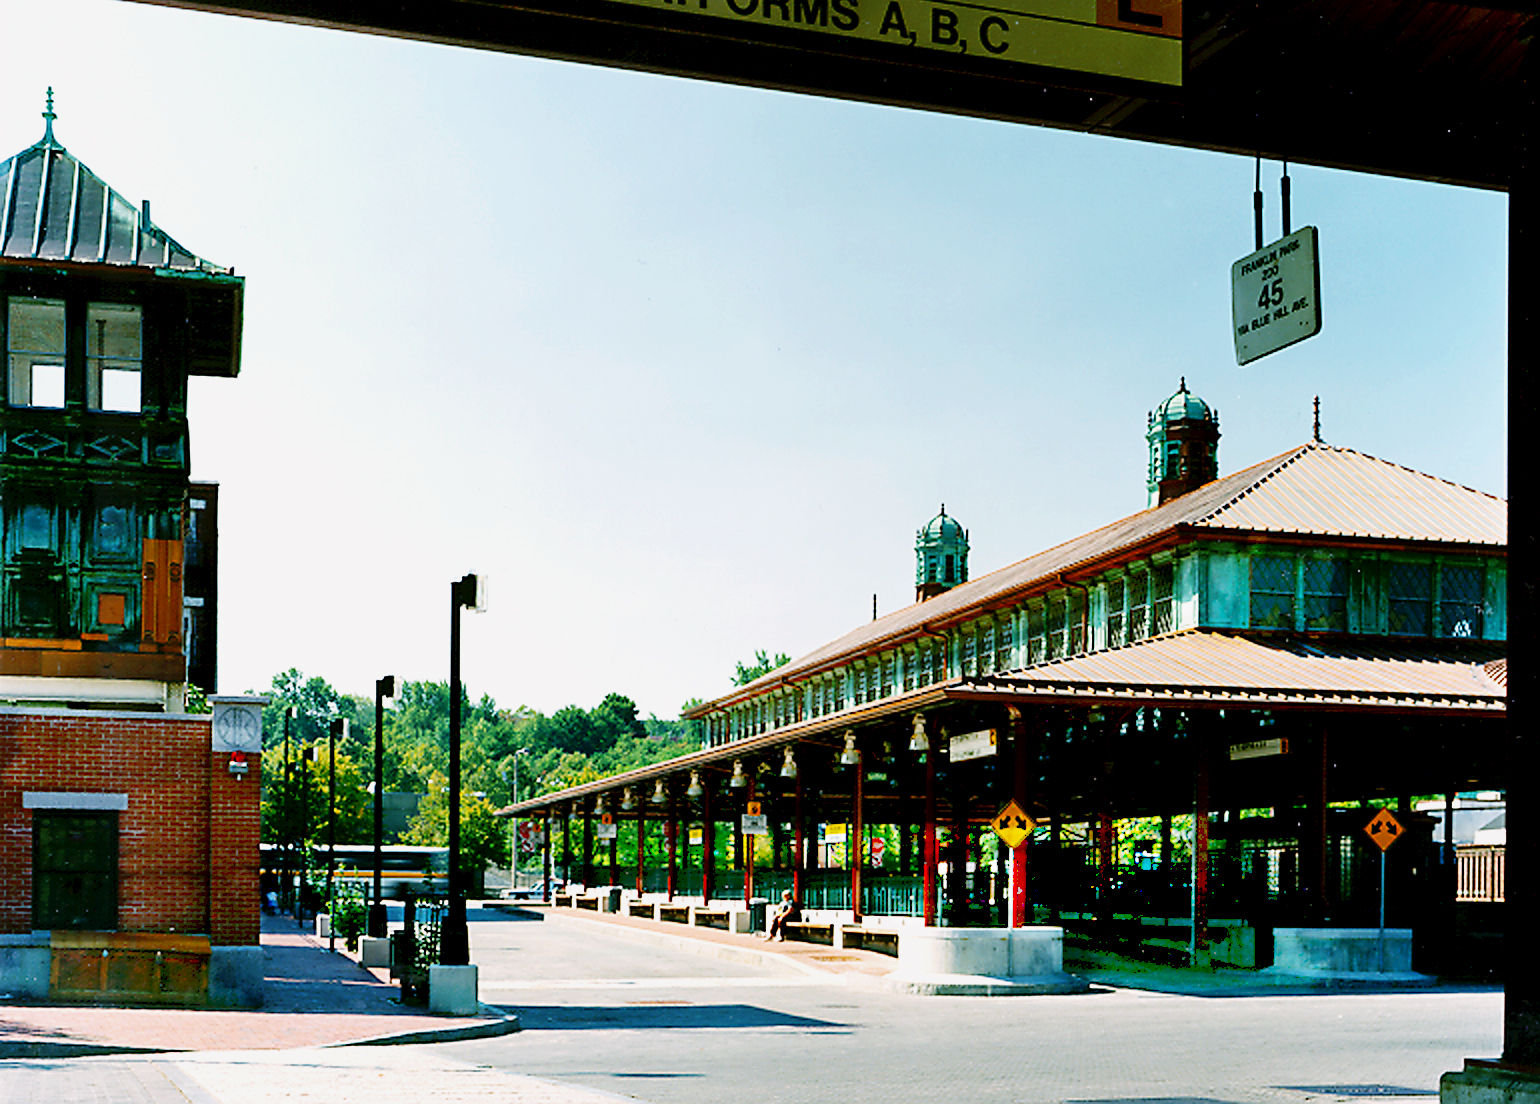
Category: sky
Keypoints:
(682, 367)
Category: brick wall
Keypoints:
(188, 843)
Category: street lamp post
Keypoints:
(338, 727)
(454, 939)
(383, 688)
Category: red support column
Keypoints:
(857, 849)
(1019, 793)
(707, 845)
(930, 857)
(641, 846)
(746, 851)
(545, 859)
(671, 833)
(798, 859)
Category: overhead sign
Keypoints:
(1133, 39)
(1384, 829)
(1258, 749)
(833, 833)
(1012, 825)
(607, 829)
(697, 836)
(973, 745)
(756, 825)
(1275, 296)
(752, 808)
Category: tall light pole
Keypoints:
(454, 939)
(383, 688)
(338, 727)
(513, 874)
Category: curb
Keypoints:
(506, 1023)
(749, 956)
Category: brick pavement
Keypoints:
(313, 998)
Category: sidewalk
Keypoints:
(313, 999)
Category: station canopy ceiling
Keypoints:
(1410, 88)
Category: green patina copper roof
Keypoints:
(1183, 405)
(54, 208)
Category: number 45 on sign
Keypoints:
(1275, 296)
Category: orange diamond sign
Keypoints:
(1384, 829)
(1012, 825)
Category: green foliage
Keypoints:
(349, 916)
(294, 806)
(197, 700)
(762, 665)
(483, 835)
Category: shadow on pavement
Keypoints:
(568, 1017)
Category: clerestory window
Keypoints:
(35, 352)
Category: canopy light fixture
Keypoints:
(626, 800)
(695, 789)
(659, 794)
(788, 764)
(918, 741)
(851, 755)
(739, 779)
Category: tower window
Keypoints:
(114, 357)
(951, 571)
(1409, 588)
(35, 348)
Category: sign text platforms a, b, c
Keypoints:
(1138, 40)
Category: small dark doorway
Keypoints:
(74, 870)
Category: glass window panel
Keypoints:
(1409, 588)
(112, 531)
(1460, 601)
(36, 526)
(1162, 598)
(1325, 585)
(1272, 592)
(1138, 606)
(1004, 640)
(46, 385)
(120, 390)
(113, 331)
(36, 326)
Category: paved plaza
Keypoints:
(614, 1009)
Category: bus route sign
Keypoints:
(1275, 296)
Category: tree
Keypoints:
(762, 665)
(483, 835)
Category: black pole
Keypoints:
(454, 939)
(340, 724)
(383, 688)
(288, 817)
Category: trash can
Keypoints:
(613, 904)
(757, 913)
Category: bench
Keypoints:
(589, 903)
(563, 900)
(711, 918)
(676, 914)
(881, 940)
(640, 908)
(805, 932)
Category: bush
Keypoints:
(349, 918)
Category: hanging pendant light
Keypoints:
(739, 779)
(626, 800)
(695, 789)
(918, 741)
(659, 794)
(788, 764)
(850, 756)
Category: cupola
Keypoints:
(941, 556)
(1184, 445)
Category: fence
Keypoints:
(1480, 873)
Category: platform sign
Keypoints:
(697, 835)
(607, 829)
(1259, 749)
(1275, 296)
(1384, 829)
(1012, 825)
(1129, 39)
(973, 745)
(833, 833)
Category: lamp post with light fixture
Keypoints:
(454, 938)
(513, 873)
(383, 688)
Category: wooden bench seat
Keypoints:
(711, 918)
(677, 914)
(881, 940)
(639, 908)
(590, 903)
(804, 932)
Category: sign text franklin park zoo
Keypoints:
(1134, 39)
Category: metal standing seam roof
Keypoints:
(54, 208)
(1313, 490)
(1210, 666)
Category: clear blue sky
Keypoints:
(682, 367)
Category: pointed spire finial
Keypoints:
(1317, 431)
(48, 118)
(1183, 387)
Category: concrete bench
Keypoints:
(589, 903)
(636, 907)
(675, 914)
(861, 938)
(805, 932)
(711, 918)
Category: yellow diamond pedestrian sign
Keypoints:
(1384, 829)
(1012, 825)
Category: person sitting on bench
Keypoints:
(787, 912)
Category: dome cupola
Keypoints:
(1184, 445)
(941, 556)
